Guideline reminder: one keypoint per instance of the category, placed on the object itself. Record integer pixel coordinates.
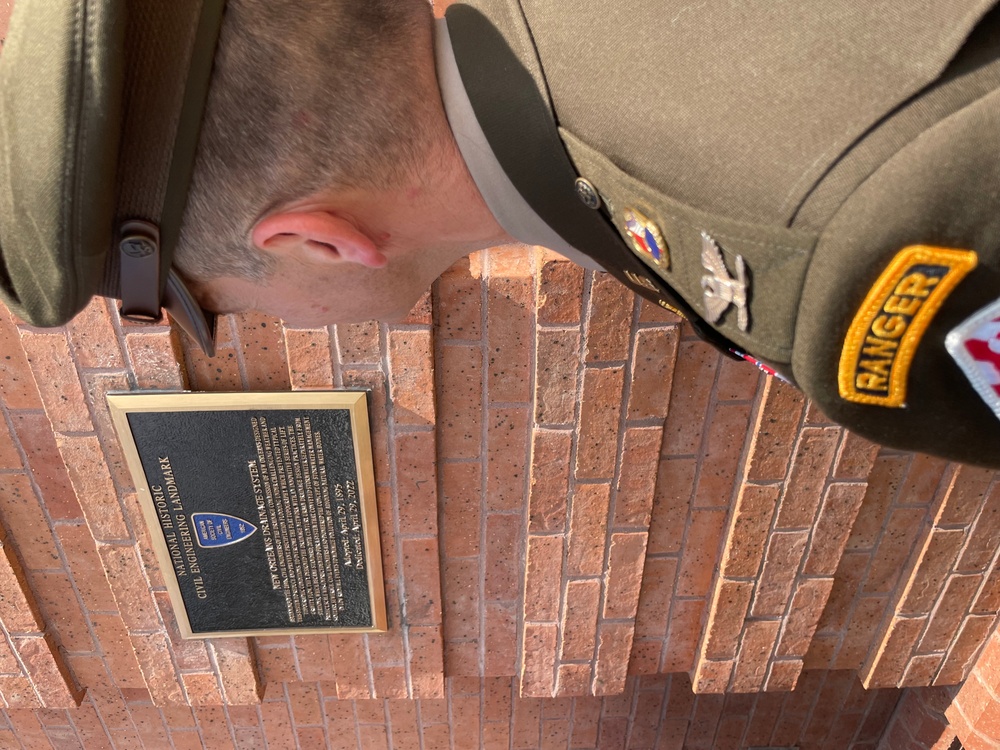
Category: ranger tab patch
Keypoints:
(882, 340)
(975, 346)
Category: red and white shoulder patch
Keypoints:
(975, 346)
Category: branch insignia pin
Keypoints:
(720, 289)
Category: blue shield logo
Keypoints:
(220, 529)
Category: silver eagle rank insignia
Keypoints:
(719, 288)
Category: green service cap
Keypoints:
(101, 103)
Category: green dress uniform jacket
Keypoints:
(813, 184)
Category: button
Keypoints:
(587, 193)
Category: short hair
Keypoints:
(305, 95)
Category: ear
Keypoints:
(316, 237)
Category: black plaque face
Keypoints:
(261, 508)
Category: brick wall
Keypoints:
(596, 532)
(591, 523)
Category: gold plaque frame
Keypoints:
(355, 402)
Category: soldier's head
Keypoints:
(319, 112)
(315, 189)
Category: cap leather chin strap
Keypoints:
(147, 282)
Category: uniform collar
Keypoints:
(509, 208)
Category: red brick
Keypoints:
(588, 529)
(549, 493)
(202, 689)
(559, 290)
(810, 598)
(218, 373)
(683, 632)
(814, 454)
(500, 639)
(573, 679)
(155, 358)
(921, 670)
(308, 353)
(711, 677)
(129, 587)
(755, 652)
(458, 301)
(352, 668)
(358, 343)
(600, 410)
(624, 578)
(960, 659)
(784, 553)
(671, 505)
(49, 675)
(46, 465)
(922, 479)
(507, 440)
(24, 521)
(738, 380)
(729, 610)
(822, 649)
(98, 385)
(970, 485)
(212, 722)
(653, 360)
(262, 344)
(462, 512)
(503, 561)
(935, 562)
(858, 638)
(775, 431)
(153, 654)
(10, 457)
(423, 581)
(556, 370)
(783, 675)
(904, 527)
(951, 609)
(86, 568)
(94, 488)
(18, 611)
(658, 578)
(18, 693)
(579, 620)
(747, 535)
(721, 456)
(426, 662)
(461, 591)
(190, 655)
(701, 551)
(893, 653)
(538, 660)
(610, 306)
(55, 373)
(695, 369)
(93, 337)
(855, 458)
(144, 542)
(61, 611)
(988, 599)
(883, 485)
(985, 535)
(17, 385)
(610, 670)
(543, 578)
(118, 652)
(416, 481)
(411, 378)
(841, 504)
(510, 308)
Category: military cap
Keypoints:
(814, 185)
(101, 103)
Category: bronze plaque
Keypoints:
(261, 507)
